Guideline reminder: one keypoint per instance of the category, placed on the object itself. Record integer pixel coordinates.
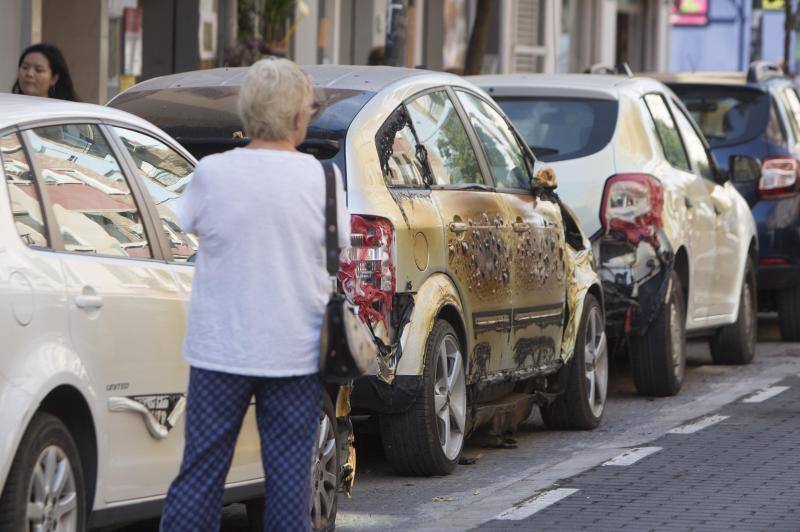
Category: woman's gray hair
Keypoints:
(273, 93)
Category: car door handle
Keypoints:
(458, 227)
(520, 227)
(89, 302)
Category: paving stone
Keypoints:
(740, 474)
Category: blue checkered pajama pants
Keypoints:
(287, 411)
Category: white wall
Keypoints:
(20, 26)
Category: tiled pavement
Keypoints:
(742, 473)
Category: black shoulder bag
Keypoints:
(347, 347)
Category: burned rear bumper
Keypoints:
(635, 281)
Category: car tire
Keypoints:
(428, 438)
(736, 343)
(59, 488)
(581, 405)
(658, 358)
(324, 477)
(788, 303)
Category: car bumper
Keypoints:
(635, 279)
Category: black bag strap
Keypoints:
(331, 229)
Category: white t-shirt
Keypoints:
(260, 284)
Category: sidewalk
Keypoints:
(738, 469)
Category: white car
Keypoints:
(94, 286)
(675, 240)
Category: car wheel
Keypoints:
(788, 302)
(428, 438)
(658, 358)
(45, 490)
(582, 402)
(324, 476)
(736, 343)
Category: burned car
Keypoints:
(476, 281)
(676, 243)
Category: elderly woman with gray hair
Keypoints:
(258, 300)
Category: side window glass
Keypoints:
(792, 105)
(397, 149)
(92, 202)
(165, 174)
(694, 146)
(775, 130)
(667, 133)
(26, 204)
(503, 152)
(440, 130)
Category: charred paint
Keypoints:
(481, 257)
(540, 257)
(539, 350)
(479, 361)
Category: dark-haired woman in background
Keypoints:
(43, 72)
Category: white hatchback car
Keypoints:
(675, 240)
(94, 285)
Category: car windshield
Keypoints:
(727, 115)
(562, 128)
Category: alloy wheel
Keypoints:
(450, 397)
(52, 495)
(324, 474)
(596, 362)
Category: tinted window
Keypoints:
(694, 146)
(667, 132)
(562, 128)
(726, 115)
(23, 192)
(440, 130)
(165, 174)
(92, 202)
(503, 152)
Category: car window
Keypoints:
(667, 132)
(726, 115)
(26, 203)
(562, 128)
(503, 152)
(694, 146)
(775, 132)
(165, 174)
(91, 199)
(397, 147)
(792, 105)
(448, 148)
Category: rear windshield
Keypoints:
(562, 128)
(727, 115)
(204, 119)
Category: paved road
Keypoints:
(743, 469)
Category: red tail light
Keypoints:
(779, 177)
(632, 206)
(367, 270)
(772, 262)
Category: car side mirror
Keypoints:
(545, 177)
(744, 169)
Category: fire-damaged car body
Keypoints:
(675, 242)
(477, 282)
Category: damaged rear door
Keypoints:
(537, 242)
(476, 229)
